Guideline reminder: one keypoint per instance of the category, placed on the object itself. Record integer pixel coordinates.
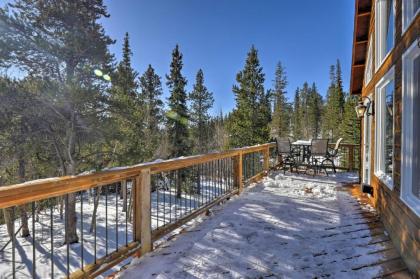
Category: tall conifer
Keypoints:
(201, 101)
(177, 116)
(297, 116)
(280, 124)
(150, 97)
(126, 112)
(248, 123)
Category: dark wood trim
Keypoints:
(411, 34)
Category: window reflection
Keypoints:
(416, 128)
(389, 127)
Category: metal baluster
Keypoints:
(210, 182)
(116, 214)
(192, 187)
(67, 235)
(201, 197)
(164, 202)
(13, 244)
(106, 220)
(214, 181)
(157, 200)
(33, 241)
(52, 238)
(171, 180)
(127, 210)
(176, 193)
(224, 180)
(206, 171)
(81, 231)
(94, 224)
(220, 176)
(245, 166)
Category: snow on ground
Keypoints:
(291, 226)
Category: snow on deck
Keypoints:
(283, 227)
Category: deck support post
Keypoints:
(266, 154)
(238, 172)
(351, 157)
(146, 226)
(142, 212)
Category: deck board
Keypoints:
(272, 231)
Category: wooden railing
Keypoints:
(116, 213)
(348, 156)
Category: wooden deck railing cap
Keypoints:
(30, 191)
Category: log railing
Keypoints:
(117, 213)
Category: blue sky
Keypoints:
(305, 35)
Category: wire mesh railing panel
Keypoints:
(91, 232)
(178, 193)
(348, 158)
(273, 157)
(252, 164)
(55, 237)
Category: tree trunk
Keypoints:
(61, 202)
(130, 204)
(179, 179)
(24, 218)
(71, 219)
(124, 195)
(22, 209)
(95, 209)
(8, 219)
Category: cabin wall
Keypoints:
(402, 224)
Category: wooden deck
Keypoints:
(273, 231)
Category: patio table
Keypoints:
(304, 147)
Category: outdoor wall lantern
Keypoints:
(362, 108)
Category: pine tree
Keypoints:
(339, 87)
(297, 116)
(126, 112)
(201, 101)
(177, 116)
(331, 116)
(248, 123)
(151, 92)
(314, 112)
(65, 56)
(280, 124)
(350, 127)
(304, 96)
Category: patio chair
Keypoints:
(318, 154)
(286, 153)
(331, 155)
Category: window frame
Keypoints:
(380, 129)
(406, 21)
(369, 65)
(379, 39)
(407, 195)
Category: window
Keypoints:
(410, 9)
(368, 69)
(385, 129)
(385, 14)
(410, 152)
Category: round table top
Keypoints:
(302, 142)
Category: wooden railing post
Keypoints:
(142, 218)
(238, 172)
(266, 154)
(351, 157)
(146, 226)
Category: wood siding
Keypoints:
(402, 224)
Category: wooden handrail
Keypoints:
(36, 190)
